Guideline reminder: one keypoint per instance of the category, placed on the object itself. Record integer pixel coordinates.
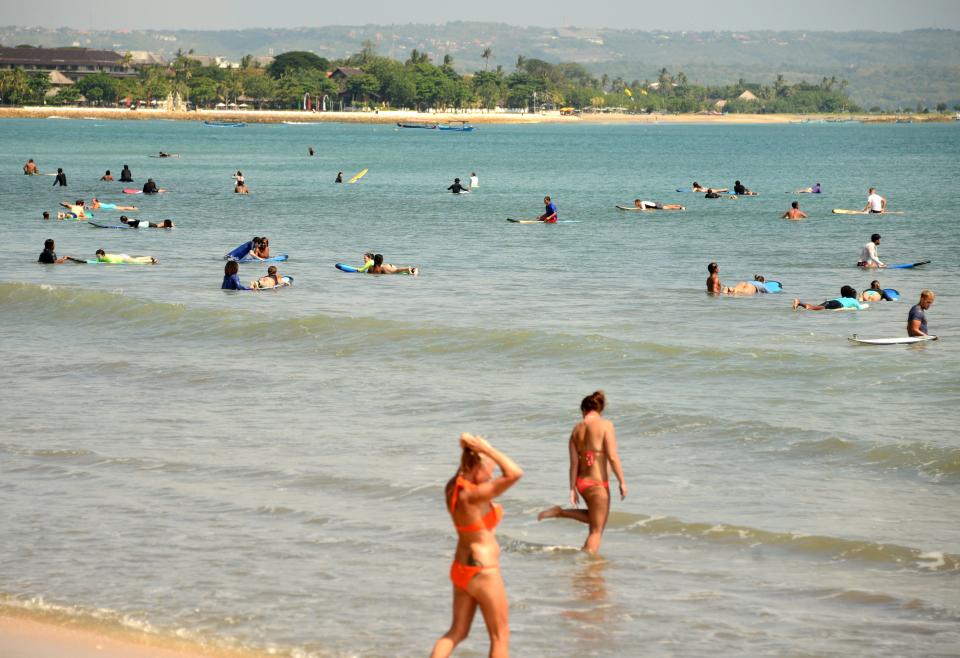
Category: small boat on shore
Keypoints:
(427, 126)
(225, 124)
(456, 126)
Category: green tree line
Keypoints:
(419, 83)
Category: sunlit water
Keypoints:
(267, 469)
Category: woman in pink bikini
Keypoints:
(593, 447)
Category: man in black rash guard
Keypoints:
(457, 188)
(61, 179)
(150, 187)
(48, 256)
(126, 176)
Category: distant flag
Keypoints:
(628, 92)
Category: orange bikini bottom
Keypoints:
(586, 483)
(462, 574)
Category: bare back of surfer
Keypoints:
(713, 281)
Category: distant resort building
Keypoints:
(74, 63)
(747, 96)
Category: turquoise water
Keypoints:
(267, 469)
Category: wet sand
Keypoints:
(26, 637)
(475, 117)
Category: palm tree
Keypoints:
(486, 55)
(521, 62)
(604, 79)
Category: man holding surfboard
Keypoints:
(917, 318)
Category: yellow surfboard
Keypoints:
(358, 176)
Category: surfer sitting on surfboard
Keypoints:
(917, 318)
(77, 210)
(549, 215)
(656, 205)
(810, 190)
(150, 187)
(847, 299)
(868, 255)
(875, 203)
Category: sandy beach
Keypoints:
(28, 637)
(475, 117)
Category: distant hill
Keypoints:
(889, 70)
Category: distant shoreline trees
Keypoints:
(366, 79)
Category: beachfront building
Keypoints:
(73, 63)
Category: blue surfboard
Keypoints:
(904, 266)
(273, 259)
(343, 267)
(773, 286)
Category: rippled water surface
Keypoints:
(267, 469)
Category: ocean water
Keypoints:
(266, 470)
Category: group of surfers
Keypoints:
(849, 298)
(469, 496)
(458, 188)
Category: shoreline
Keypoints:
(474, 117)
(37, 635)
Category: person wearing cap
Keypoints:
(457, 188)
(869, 256)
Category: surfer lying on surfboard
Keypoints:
(697, 187)
(877, 294)
(379, 267)
(847, 299)
(655, 205)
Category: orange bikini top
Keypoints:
(490, 520)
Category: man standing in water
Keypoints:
(549, 215)
(713, 281)
(61, 179)
(917, 318)
(593, 452)
(868, 255)
(795, 212)
(30, 169)
(126, 176)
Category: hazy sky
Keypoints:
(841, 15)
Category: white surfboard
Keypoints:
(905, 340)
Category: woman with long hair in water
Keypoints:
(593, 450)
(475, 571)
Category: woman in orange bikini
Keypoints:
(593, 447)
(475, 571)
